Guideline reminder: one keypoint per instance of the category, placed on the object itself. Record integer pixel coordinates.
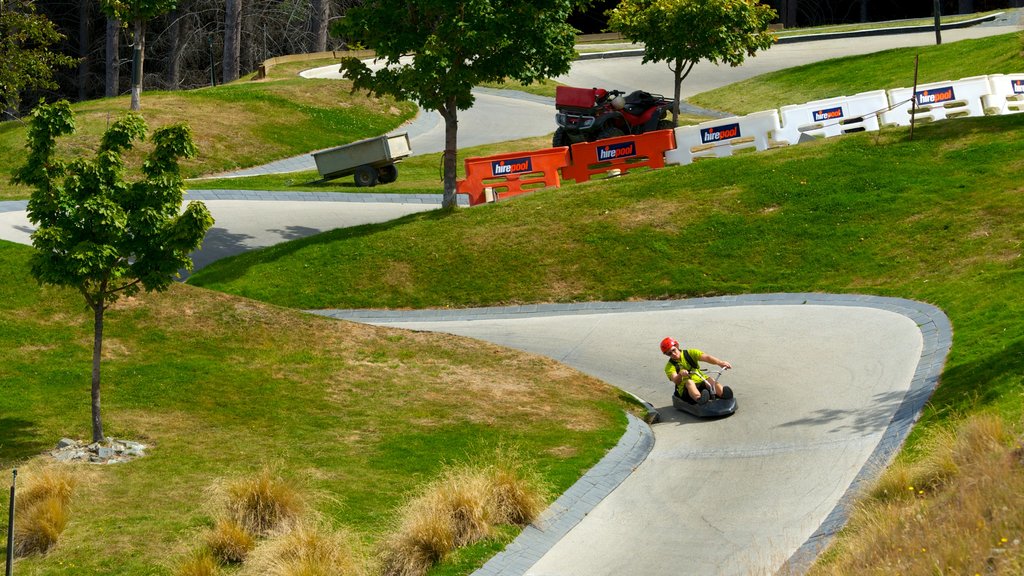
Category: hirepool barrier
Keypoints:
(491, 178)
(720, 138)
(616, 156)
(495, 177)
(937, 101)
(832, 116)
(1007, 94)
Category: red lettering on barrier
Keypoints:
(512, 174)
(645, 151)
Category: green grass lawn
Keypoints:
(220, 386)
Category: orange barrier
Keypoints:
(623, 153)
(511, 174)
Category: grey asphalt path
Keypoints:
(628, 73)
(827, 387)
(246, 220)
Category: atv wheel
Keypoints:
(561, 138)
(665, 125)
(610, 132)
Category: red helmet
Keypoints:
(667, 345)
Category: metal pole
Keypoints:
(938, 22)
(913, 98)
(10, 528)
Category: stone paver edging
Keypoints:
(636, 443)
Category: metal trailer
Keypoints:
(372, 161)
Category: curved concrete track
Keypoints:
(827, 388)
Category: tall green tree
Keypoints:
(99, 234)
(137, 13)
(454, 45)
(684, 32)
(26, 58)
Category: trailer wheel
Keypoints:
(387, 174)
(366, 176)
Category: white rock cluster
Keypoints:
(109, 451)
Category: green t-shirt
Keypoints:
(671, 368)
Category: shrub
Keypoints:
(41, 509)
(262, 503)
(229, 542)
(307, 550)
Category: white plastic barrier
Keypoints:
(832, 117)
(1007, 95)
(938, 100)
(720, 138)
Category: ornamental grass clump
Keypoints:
(229, 542)
(200, 562)
(42, 503)
(451, 512)
(461, 508)
(262, 503)
(307, 549)
(517, 494)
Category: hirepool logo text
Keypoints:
(1018, 86)
(719, 133)
(935, 96)
(620, 150)
(828, 114)
(513, 166)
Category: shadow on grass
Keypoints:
(980, 383)
(18, 440)
(233, 267)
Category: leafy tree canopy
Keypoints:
(25, 54)
(684, 32)
(435, 51)
(99, 234)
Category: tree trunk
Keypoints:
(138, 57)
(113, 70)
(83, 48)
(232, 34)
(677, 73)
(319, 15)
(450, 113)
(97, 352)
(173, 73)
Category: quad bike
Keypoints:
(714, 406)
(589, 114)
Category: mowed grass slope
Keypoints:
(355, 417)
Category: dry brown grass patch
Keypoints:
(956, 510)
